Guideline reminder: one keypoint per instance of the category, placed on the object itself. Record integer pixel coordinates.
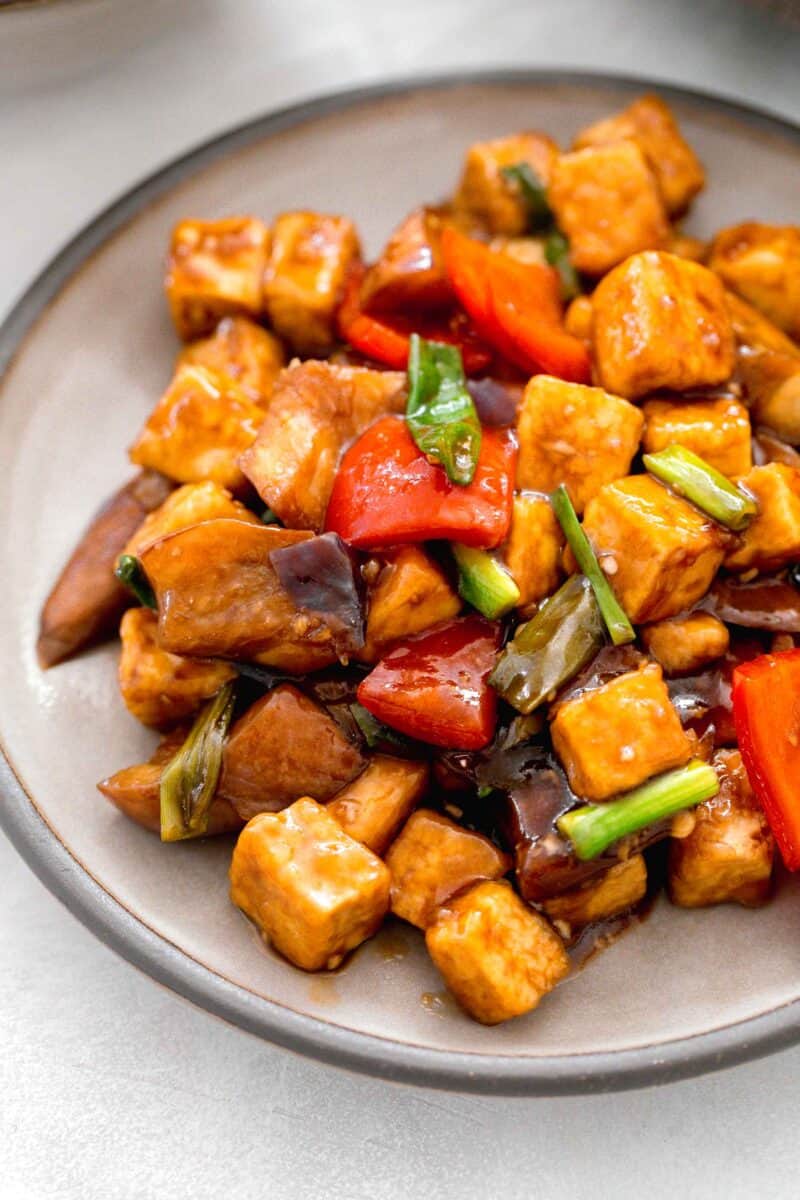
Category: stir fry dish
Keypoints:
(464, 584)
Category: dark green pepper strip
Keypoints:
(440, 412)
(533, 194)
(190, 779)
(373, 731)
(556, 251)
(268, 517)
(547, 651)
(594, 827)
(129, 571)
(617, 623)
(484, 582)
(705, 487)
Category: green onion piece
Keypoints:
(268, 517)
(547, 651)
(440, 413)
(556, 251)
(594, 827)
(691, 477)
(129, 571)
(533, 194)
(617, 623)
(484, 582)
(190, 779)
(373, 731)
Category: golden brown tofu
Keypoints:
(683, 245)
(614, 891)
(614, 737)
(769, 366)
(532, 551)
(314, 892)
(683, 645)
(315, 410)
(249, 355)
(410, 274)
(488, 195)
(661, 322)
(198, 430)
(762, 264)
(579, 436)
(729, 854)
(579, 319)
(497, 956)
(308, 263)
(187, 505)
(160, 688)
(374, 806)
(772, 539)
(607, 203)
(718, 430)
(432, 859)
(659, 553)
(411, 593)
(650, 123)
(285, 746)
(215, 269)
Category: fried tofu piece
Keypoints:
(607, 203)
(215, 269)
(762, 264)
(614, 891)
(432, 859)
(614, 737)
(684, 645)
(410, 594)
(486, 193)
(580, 436)
(249, 355)
(769, 366)
(659, 552)
(772, 539)
(497, 956)
(728, 856)
(160, 688)
(532, 551)
(650, 123)
(410, 273)
(661, 322)
(522, 249)
(315, 410)
(305, 276)
(374, 806)
(683, 245)
(718, 430)
(187, 505)
(579, 319)
(198, 430)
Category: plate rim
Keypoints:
(71, 883)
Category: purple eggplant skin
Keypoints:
(771, 603)
(495, 404)
(323, 576)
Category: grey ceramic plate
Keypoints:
(90, 348)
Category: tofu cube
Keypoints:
(486, 193)
(729, 854)
(606, 201)
(579, 436)
(373, 807)
(661, 322)
(684, 645)
(718, 430)
(659, 552)
(497, 956)
(532, 551)
(314, 892)
(762, 264)
(579, 318)
(432, 859)
(772, 539)
(215, 269)
(614, 737)
(410, 593)
(650, 123)
(198, 430)
(187, 505)
(249, 355)
(614, 891)
(308, 263)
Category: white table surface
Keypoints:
(114, 1089)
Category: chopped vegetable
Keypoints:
(594, 827)
(617, 623)
(484, 582)
(129, 571)
(551, 648)
(374, 732)
(440, 413)
(322, 576)
(268, 517)
(556, 251)
(533, 194)
(706, 488)
(190, 779)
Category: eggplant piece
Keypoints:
(496, 403)
(703, 701)
(768, 447)
(322, 577)
(770, 603)
(88, 600)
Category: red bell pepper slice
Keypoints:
(387, 493)
(766, 713)
(515, 306)
(434, 687)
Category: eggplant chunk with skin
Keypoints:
(374, 806)
(322, 577)
(187, 505)
(615, 891)
(87, 600)
(249, 355)
(215, 269)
